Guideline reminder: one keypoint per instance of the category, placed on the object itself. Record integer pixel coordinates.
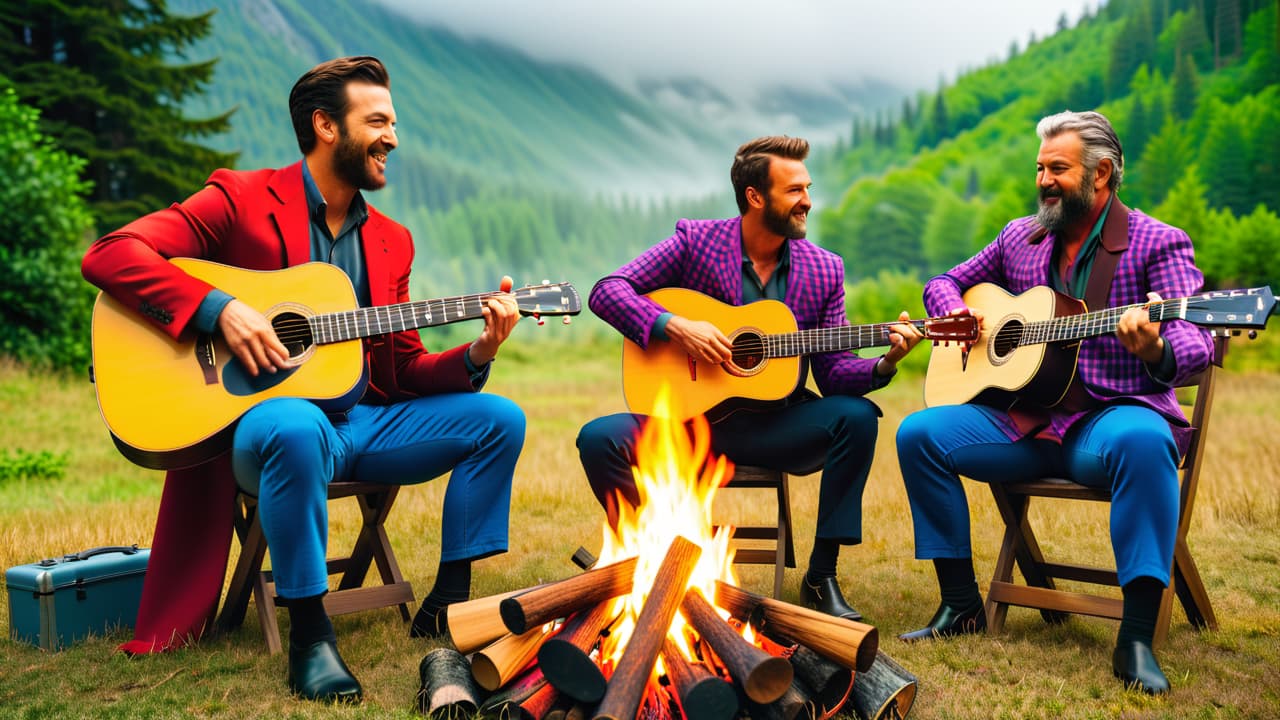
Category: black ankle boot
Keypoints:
(948, 621)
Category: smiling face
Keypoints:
(787, 204)
(1068, 189)
(365, 136)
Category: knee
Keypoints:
(508, 418)
(913, 432)
(604, 438)
(857, 418)
(282, 425)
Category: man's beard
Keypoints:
(782, 223)
(351, 164)
(1069, 210)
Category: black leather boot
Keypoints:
(316, 672)
(1135, 664)
(949, 621)
(826, 597)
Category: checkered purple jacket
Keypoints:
(1159, 259)
(706, 255)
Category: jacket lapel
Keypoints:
(373, 238)
(290, 215)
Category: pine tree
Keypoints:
(102, 76)
(1186, 88)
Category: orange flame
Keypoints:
(676, 479)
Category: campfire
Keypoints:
(658, 627)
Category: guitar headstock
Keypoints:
(548, 299)
(951, 328)
(1232, 309)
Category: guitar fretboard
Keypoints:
(1101, 322)
(383, 319)
(832, 339)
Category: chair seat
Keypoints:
(372, 546)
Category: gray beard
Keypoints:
(1071, 209)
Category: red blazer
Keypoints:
(256, 220)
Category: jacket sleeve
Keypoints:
(618, 298)
(131, 264)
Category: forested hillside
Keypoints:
(1192, 86)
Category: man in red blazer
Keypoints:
(420, 415)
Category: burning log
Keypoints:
(852, 644)
(494, 666)
(476, 623)
(539, 704)
(828, 679)
(506, 702)
(561, 599)
(447, 690)
(626, 687)
(700, 694)
(796, 703)
(883, 692)
(763, 677)
(565, 658)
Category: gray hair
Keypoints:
(1099, 138)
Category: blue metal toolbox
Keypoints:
(57, 601)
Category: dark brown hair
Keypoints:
(324, 87)
(751, 163)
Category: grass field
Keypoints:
(1031, 671)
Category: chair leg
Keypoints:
(1190, 588)
(253, 549)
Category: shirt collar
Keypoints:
(316, 205)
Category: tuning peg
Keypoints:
(1253, 334)
(546, 281)
(538, 318)
(567, 320)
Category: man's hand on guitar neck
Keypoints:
(1139, 335)
(700, 339)
(902, 337)
(501, 313)
(252, 339)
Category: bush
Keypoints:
(45, 226)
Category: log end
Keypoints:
(867, 650)
(571, 671)
(768, 680)
(710, 698)
(513, 616)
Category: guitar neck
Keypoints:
(1101, 322)
(383, 319)
(831, 339)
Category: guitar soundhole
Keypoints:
(1005, 340)
(294, 331)
(748, 354)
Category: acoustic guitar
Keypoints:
(1029, 343)
(171, 404)
(767, 346)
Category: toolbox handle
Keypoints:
(86, 554)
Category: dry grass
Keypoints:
(1032, 670)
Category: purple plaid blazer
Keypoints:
(706, 255)
(1156, 258)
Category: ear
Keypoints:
(325, 128)
(1103, 174)
(755, 198)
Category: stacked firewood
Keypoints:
(533, 654)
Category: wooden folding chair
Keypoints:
(779, 550)
(371, 546)
(1021, 548)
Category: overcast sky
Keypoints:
(747, 43)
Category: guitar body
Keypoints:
(997, 371)
(750, 379)
(171, 404)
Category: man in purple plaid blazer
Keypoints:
(760, 254)
(1124, 429)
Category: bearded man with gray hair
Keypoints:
(1123, 429)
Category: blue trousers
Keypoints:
(288, 451)
(1124, 447)
(836, 434)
